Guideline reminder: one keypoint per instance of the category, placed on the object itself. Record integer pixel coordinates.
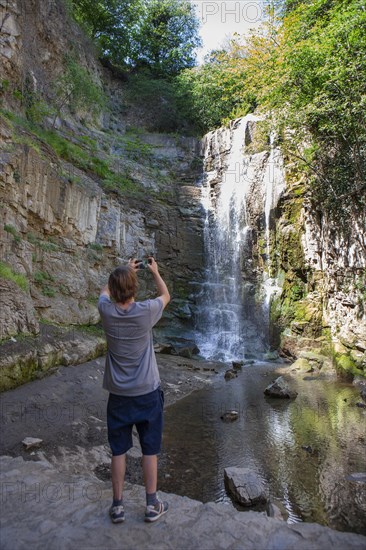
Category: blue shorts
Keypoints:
(143, 411)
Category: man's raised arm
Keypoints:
(160, 284)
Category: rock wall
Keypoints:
(65, 237)
(35, 37)
(337, 258)
(321, 266)
(63, 228)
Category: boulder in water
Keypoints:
(229, 374)
(245, 486)
(273, 511)
(230, 416)
(237, 365)
(280, 388)
(31, 442)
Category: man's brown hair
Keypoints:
(122, 284)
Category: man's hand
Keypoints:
(152, 265)
(134, 264)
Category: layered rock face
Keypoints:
(65, 226)
(66, 237)
(321, 266)
(336, 259)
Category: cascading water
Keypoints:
(274, 185)
(221, 321)
(230, 318)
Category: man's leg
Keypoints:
(118, 476)
(150, 471)
(154, 507)
(150, 433)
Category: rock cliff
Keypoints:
(82, 192)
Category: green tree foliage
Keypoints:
(167, 36)
(318, 90)
(160, 34)
(216, 91)
(113, 24)
(305, 69)
(158, 102)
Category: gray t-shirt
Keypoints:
(130, 367)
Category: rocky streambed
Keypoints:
(60, 487)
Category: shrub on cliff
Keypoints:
(159, 34)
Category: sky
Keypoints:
(220, 19)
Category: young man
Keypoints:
(132, 378)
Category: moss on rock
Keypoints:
(25, 360)
(346, 364)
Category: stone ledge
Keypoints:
(60, 511)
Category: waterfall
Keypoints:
(274, 186)
(238, 188)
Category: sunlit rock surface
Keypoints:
(54, 510)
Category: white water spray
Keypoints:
(274, 185)
(220, 318)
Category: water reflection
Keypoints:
(304, 449)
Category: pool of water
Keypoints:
(311, 483)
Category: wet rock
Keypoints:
(316, 363)
(271, 356)
(181, 309)
(230, 374)
(245, 486)
(300, 364)
(279, 388)
(186, 351)
(292, 345)
(230, 416)
(163, 348)
(184, 347)
(31, 442)
(316, 360)
(237, 365)
(273, 511)
(360, 477)
(307, 448)
(363, 394)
